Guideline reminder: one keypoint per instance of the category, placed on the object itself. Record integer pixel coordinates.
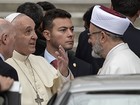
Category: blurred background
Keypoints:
(76, 7)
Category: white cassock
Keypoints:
(36, 74)
(120, 60)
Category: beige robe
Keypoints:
(39, 76)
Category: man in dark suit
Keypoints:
(7, 70)
(7, 73)
(131, 9)
(58, 31)
(7, 35)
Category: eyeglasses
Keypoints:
(89, 34)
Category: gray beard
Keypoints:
(95, 55)
(96, 50)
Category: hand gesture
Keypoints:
(5, 83)
(63, 60)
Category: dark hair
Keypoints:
(126, 7)
(87, 17)
(53, 14)
(33, 10)
(46, 5)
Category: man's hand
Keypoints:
(5, 83)
(63, 60)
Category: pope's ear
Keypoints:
(46, 34)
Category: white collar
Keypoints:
(2, 57)
(48, 56)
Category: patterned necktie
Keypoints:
(54, 63)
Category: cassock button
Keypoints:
(74, 64)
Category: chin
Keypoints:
(68, 48)
(95, 55)
(32, 51)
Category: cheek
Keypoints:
(91, 40)
(59, 41)
(11, 42)
(58, 38)
(22, 42)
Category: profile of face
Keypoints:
(26, 36)
(95, 42)
(11, 42)
(8, 39)
(96, 49)
(62, 34)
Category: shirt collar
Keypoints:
(48, 56)
(19, 56)
(2, 57)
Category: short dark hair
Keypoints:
(46, 5)
(53, 14)
(126, 7)
(33, 10)
(87, 16)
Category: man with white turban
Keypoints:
(106, 37)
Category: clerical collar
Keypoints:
(2, 57)
(19, 56)
(48, 56)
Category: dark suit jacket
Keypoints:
(78, 67)
(7, 70)
(132, 37)
(84, 50)
(40, 44)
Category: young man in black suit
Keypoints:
(58, 31)
(7, 35)
(131, 9)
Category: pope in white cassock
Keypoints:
(39, 80)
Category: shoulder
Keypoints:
(37, 58)
(132, 31)
(8, 70)
(80, 63)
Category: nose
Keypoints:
(34, 35)
(70, 32)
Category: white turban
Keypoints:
(109, 20)
(11, 17)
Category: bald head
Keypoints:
(5, 26)
(7, 41)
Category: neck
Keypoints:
(2, 57)
(133, 19)
(52, 51)
(109, 46)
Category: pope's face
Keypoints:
(62, 34)
(26, 36)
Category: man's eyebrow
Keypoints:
(66, 27)
(28, 27)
